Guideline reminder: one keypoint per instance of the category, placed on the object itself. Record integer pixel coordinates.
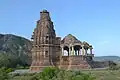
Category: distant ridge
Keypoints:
(106, 58)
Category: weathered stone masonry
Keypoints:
(49, 50)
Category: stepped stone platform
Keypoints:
(74, 62)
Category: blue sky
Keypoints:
(94, 21)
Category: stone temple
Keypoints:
(49, 50)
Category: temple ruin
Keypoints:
(50, 50)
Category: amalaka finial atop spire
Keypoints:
(44, 15)
(44, 11)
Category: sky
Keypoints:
(94, 21)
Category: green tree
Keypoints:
(7, 60)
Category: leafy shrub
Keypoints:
(9, 70)
(3, 74)
(113, 66)
(52, 73)
(48, 73)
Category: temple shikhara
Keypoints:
(49, 50)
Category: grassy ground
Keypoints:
(22, 78)
(99, 74)
(105, 74)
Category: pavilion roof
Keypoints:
(70, 39)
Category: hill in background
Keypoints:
(16, 47)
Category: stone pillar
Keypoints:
(82, 50)
(72, 50)
(79, 51)
(91, 51)
(75, 52)
(69, 51)
(85, 52)
(34, 56)
(37, 56)
(62, 51)
(44, 52)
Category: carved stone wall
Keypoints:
(46, 45)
